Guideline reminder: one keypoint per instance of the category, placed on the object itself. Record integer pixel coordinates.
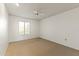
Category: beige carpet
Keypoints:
(39, 47)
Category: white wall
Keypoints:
(3, 29)
(60, 27)
(13, 29)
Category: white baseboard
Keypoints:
(60, 43)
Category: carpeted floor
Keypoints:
(39, 47)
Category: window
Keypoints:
(21, 28)
(27, 28)
(24, 28)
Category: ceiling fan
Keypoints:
(37, 12)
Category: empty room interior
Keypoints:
(39, 29)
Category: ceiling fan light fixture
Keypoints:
(36, 12)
